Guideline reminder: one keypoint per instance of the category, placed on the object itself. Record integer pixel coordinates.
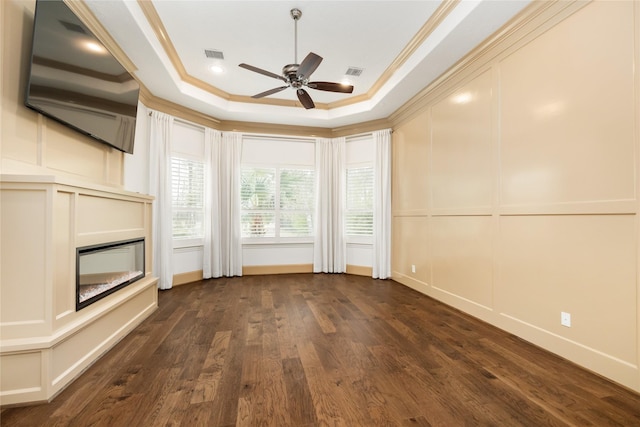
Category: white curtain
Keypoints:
(382, 205)
(329, 246)
(212, 256)
(222, 254)
(160, 134)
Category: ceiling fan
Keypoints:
(296, 75)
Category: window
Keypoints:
(188, 198)
(277, 202)
(359, 213)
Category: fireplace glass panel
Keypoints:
(103, 269)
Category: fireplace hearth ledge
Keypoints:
(54, 340)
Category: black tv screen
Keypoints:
(75, 80)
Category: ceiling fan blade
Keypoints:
(305, 99)
(331, 87)
(270, 92)
(261, 71)
(308, 65)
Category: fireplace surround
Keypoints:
(46, 339)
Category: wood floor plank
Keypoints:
(208, 381)
(323, 320)
(375, 403)
(276, 410)
(326, 408)
(172, 410)
(298, 396)
(251, 396)
(309, 350)
(287, 346)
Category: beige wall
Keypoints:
(31, 143)
(515, 187)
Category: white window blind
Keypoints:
(187, 177)
(359, 214)
(277, 202)
(258, 195)
(296, 202)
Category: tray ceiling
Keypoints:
(400, 46)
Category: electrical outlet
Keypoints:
(565, 319)
(413, 268)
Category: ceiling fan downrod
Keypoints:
(295, 14)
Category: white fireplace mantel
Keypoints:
(44, 342)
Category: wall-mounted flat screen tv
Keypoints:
(75, 80)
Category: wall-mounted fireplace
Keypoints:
(103, 269)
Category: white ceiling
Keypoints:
(365, 34)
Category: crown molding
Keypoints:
(180, 111)
(275, 129)
(361, 128)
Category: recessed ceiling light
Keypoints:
(216, 69)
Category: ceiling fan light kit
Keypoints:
(296, 75)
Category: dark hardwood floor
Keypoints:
(325, 350)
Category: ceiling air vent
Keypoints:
(214, 54)
(353, 71)
(73, 27)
